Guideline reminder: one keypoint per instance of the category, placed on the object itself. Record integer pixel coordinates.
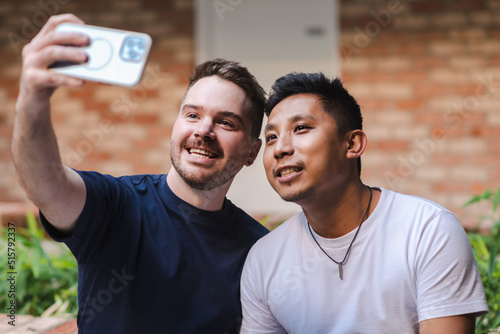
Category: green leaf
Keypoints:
(496, 200)
(492, 262)
(480, 247)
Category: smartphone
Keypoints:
(116, 57)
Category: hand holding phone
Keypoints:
(115, 56)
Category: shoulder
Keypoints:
(410, 200)
(132, 180)
(420, 221)
(281, 236)
(142, 179)
(410, 206)
(247, 222)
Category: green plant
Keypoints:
(486, 250)
(45, 281)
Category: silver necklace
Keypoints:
(344, 261)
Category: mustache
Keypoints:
(211, 146)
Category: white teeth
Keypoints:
(289, 170)
(202, 154)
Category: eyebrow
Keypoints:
(293, 119)
(222, 113)
(190, 106)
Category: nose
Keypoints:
(283, 146)
(205, 129)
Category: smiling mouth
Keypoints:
(288, 171)
(201, 154)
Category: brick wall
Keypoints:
(426, 73)
(427, 76)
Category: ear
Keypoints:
(253, 152)
(356, 143)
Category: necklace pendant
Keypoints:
(341, 273)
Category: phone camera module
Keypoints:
(133, 49)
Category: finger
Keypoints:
(48, 34)
(59, 38)
(55, 20)
(41, 79)
(54, 53)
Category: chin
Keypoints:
(298, 196)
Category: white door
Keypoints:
(271, 38)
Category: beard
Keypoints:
(210, 178)
(298, 196)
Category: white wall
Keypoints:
(271, 38)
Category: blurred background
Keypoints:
(425, 72)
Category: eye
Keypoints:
(301, 127)
(226, 124)
(191, 116)
(270, 137)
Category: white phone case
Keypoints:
(116, 57)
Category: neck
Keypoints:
(209, 200)
(336, 216)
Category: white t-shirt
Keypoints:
(411, 261)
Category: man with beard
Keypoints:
(156, 253)
(357, 259)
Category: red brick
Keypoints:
(449, 187)
(425, 90)
(409, 50)
(347, 23)
(410, 104)
(449, 20)
(368, 77)
(371, 105)
(392, 145)
(428, 62)
(417, 77)
(448, 159)
(494, 62)
(92, 105)
(428, 6)
(429, 36)
(147, 144)
(489, 132)
(465, 89)
(427, 117)
(145, 119)
(85, 93)
(468, 5)
(490, 160)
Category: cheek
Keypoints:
(234, 145)
(178, 132)
(267, 159)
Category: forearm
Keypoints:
(36, 155)
(460, 324)
(54, 188)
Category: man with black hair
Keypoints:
(357, 259)
(156, 253)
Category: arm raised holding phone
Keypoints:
(57, 190)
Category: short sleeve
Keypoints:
(448, 282)
(105, 205)
(257, 317)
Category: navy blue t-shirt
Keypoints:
(148, 262)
